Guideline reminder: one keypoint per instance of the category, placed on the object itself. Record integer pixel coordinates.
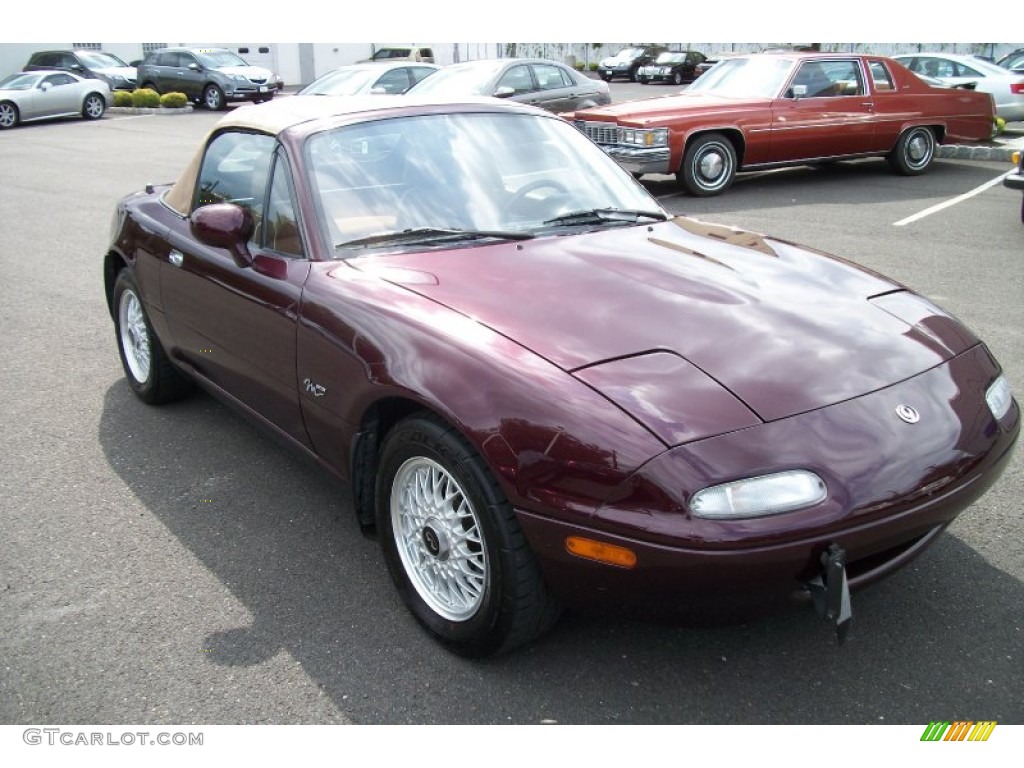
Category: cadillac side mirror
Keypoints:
(504, 92)
(227, 226)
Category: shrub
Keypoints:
(593, 66)
(579, 66)
(145, 97)
(173, 100)
(122, 98)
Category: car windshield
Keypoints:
(459, 79)
(100, 60)
(343, 82)
(628, 53)
(747, 77)
(20, 82)
(391, 53)
(216, 59)
(671, 58)
(460, 178)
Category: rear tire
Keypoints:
(914, 151)
(453, 545)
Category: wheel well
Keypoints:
(379, 419)
(734, 136)
(112, 266)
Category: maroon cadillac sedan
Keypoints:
(541, 389)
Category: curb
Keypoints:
(150, 110)
(967, 152)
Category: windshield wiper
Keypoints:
(602, 215)
(434, 235)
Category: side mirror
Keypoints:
(227, 226)
(504, 92)
(45, 86)
(798, 91)
(194, 67)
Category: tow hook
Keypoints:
(831, 592)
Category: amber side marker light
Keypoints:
(609, 554)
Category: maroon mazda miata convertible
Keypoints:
(541, 388)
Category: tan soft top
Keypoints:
(272, 118)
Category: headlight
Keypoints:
(998, 396)
(644, 137)
(757, 496)
(241, 79)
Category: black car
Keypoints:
(676, 67)
(211, 76)
(92, 65)
(627, 62)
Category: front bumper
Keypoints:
(893, 489)
(638, 160)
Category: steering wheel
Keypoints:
(520, 194)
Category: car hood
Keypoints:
(658, 108)
(253, 73)
(128, 73)
(783, 328)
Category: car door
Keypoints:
(187, 75)
(235, 323)
(59, 95)
(825, 111)
(556, 90)
(516, 83)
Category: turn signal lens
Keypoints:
(609, 554)
(757, 496)
(999, 397)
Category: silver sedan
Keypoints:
(27, 96)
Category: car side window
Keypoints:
(962, 70)
(549, 77)
(881, 78)
(394, 81)
(55, 80)
(281, 229)
(830, 78)
(234, 170)
(418, 73)
(518, 79)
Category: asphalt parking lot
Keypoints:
(175, 565)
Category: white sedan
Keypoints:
(1006, 87)
(27, 96)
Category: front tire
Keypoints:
(709, 166)
(677, 78)
(213, 98)
(453, 545)
(93, 107)
(149, 372)
(914, 151)
(9, 116)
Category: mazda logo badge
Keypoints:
(908, 414)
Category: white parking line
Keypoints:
(953, 201)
